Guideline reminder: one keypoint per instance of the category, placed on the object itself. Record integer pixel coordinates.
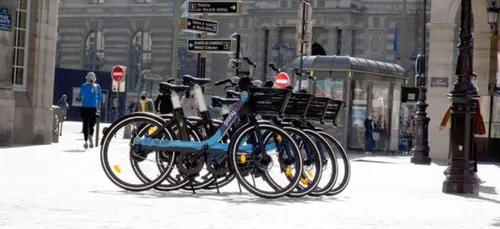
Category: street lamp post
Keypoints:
(493, 11)
(461, 177)
(421, 149)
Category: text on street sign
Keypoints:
(199, 25)
(212, 45)
(200, 7)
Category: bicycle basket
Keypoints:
(269, 101)
(317, 108)
(333, 110)
(298, 104)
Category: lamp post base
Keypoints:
(420, 160)
(463, 185)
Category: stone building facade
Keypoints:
(444, 29)
(97, 34)
(28, 51)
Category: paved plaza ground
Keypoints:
(61, 186)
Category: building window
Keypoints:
(96, 1)
(295, 3)
(140, 53)
(283, 3)
(321, 3)
(58, 51)
(21, 44)
(93, 57)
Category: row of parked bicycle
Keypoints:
(266, 140)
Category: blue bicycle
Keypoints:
(249, 152)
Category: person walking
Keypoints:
(90, 96)
(369, 141)
(145, 104)
(163, 103)
(115, 110)
(479, 128)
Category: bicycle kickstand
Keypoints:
(191, 184)
(216, 184)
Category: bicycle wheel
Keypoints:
(165, 160)
(312, 163)
(249, 160)
(341, 155)
(134, 158)
(330, 168)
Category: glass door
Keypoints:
(359, 108)
(379, 109)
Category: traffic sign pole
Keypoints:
(175, 39)
(203, 55)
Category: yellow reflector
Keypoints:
(310, 173)
(117, 169)
(243, 158)
(288, 171)
(152, 129)
(305, 181)
(279, 138)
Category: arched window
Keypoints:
(140, 52)
(58, 51)
(93, 57)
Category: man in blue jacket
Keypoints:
(90, 96)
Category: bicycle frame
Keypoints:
(210, 144)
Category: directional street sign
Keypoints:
(212, 45)
(200, 7)
(199, 25)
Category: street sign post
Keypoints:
(211, 45)
(202, 7)
(282, 80)
(196, 25)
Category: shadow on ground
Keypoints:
(496, 222)
(228, 197)
(74, 150)
(488, 190)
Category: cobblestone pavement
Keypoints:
(60, 186)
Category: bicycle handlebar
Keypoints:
(247, 59)
(221, 82)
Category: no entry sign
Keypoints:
(282, 80)
(118, 73)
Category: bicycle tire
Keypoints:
(233, 151)
(300, 190)
(347, 164)
(320, 191)
(122, 122)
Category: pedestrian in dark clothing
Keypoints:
(90, 96)
(369, 141)
(163, 103)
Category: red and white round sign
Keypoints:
(282, 80)
(118, 73)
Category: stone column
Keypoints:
(7, 102)
(332, 40)
(347, 41)
(440, 64)
(484, 60)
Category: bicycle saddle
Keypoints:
(174, 87)
(190, 80)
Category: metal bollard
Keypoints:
(55, 123)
